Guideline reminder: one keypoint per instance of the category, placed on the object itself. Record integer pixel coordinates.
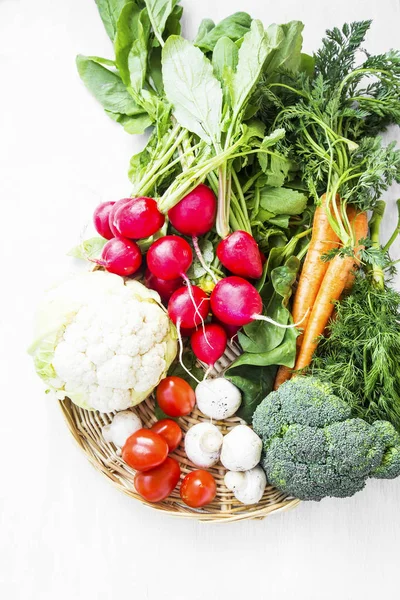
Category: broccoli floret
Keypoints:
(313, 449)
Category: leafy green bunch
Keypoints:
(197, 96)
(333, 116)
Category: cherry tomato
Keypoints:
(158, 483)
(144, 450)
(198, 488)
(175, 397)
(169, 431)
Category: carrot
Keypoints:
(282, 375)
(323, 239)
(331, 289)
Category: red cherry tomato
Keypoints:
(144, 450)
(158, 483)
(175, 397)
(169, 431)
(198, 488)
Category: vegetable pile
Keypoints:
(253, 222)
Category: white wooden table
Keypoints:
(65, 532)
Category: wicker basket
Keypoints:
(86, 427)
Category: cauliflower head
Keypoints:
(312, 448)
(103, 342)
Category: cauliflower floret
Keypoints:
(103, 343)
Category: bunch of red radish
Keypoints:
(234, 301)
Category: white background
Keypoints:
(65, 532)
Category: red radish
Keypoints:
(121, 257)
(209, 343)
(138, 218)
(101, 220)
(239, 254)
(117, 206)
(263, 257)
(195, 214)
(236, 302)
(188, 307)
(165, 287)
(231, 330)
(169, 257)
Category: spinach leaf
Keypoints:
(133, 125)
(259, 336)
(108, 88)
(192, 89)
(109, 12)
(159, 11)
(283, 201)
(254, 383)
(234, 27)
(284, 354)
(129, 29)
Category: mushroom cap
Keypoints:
(218, 398)
(248, 486)
(241, 449)
(121, 427)
(203, 444)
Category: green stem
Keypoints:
(396, 232)
(300, 255)
(374, 227)
(242, 202)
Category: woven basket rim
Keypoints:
(85, 427)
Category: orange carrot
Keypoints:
(323, 239)
(282, 375)
(331, 289)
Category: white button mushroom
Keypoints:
(218, 398)
(203, 444)
(241, 449)
(121, 427)
(247, 487)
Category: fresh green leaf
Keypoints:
(192, 89)
(284, 354)
(138, 54)
(287, 55)
(88, 249)
(253, 52)
(205, 27)
(255, 383)
(275, 167)
(159, 11)
(135, 125)
(279, 221)
(109, 12)
(283, 201)
(233, 27)
(106, 87)
(127, 32)
(196, 270)
(307, 64)
(259, 336)
(224, 60)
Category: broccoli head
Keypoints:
(312, 448)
